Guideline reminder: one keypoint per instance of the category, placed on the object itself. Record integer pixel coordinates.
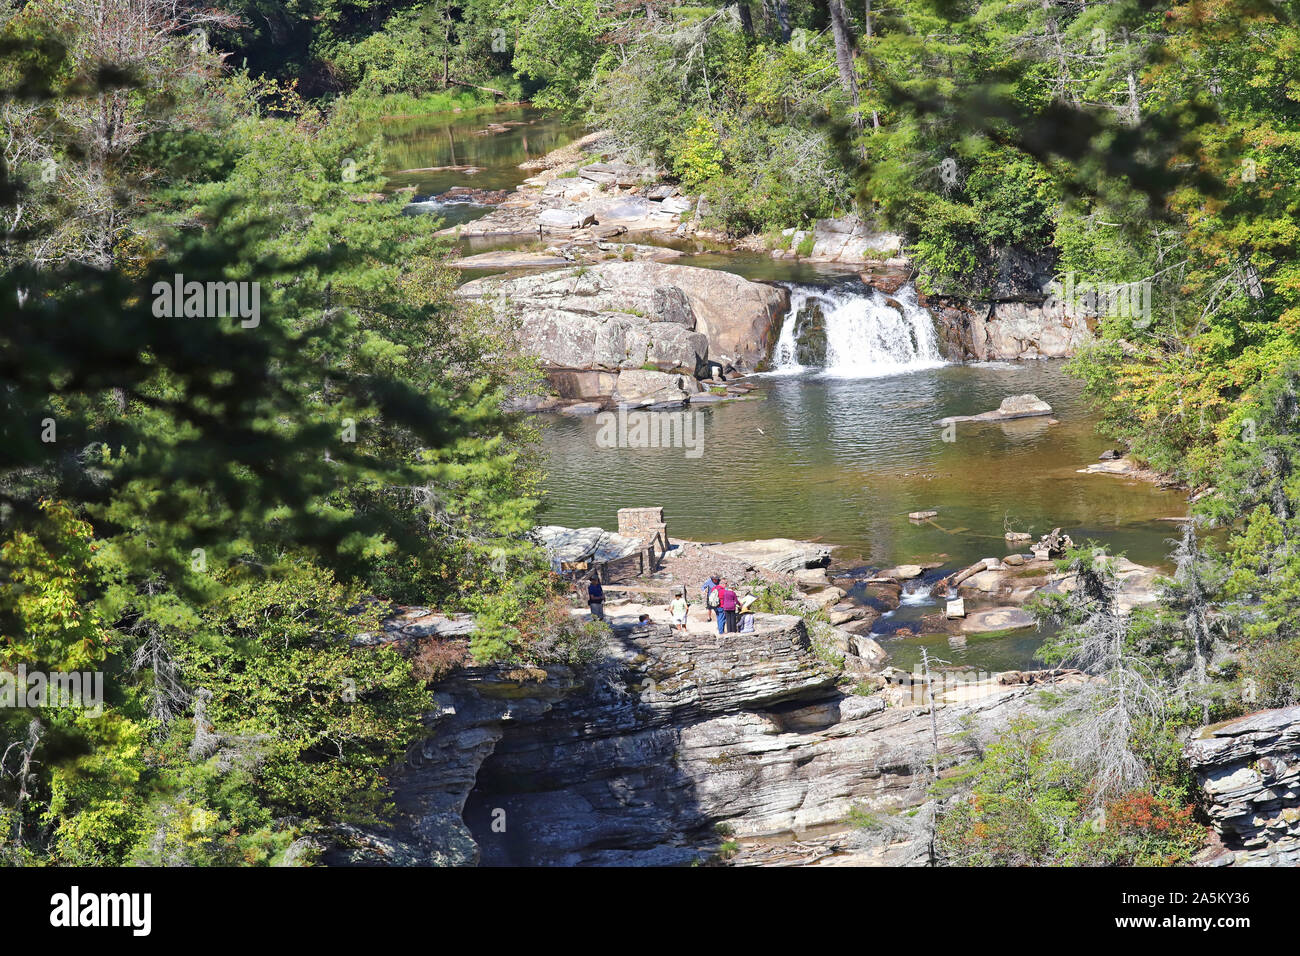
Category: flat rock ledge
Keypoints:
(1013, 406)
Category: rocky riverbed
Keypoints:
(597, 293)
(752, 749)
(690, 747)
(763, 748)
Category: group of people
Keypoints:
(730, 611)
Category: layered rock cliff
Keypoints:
(1006, 331)
(648, 760)
(1249, 771)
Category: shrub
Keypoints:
(1143, 829)
(434, 658)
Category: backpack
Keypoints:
(714, 599)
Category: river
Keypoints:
(843, 452)
(431, 153)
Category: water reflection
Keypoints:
(844, 461)
(435, 153)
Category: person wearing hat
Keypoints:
(679, 609)
(747, 614)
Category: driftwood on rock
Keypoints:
(1054, 544)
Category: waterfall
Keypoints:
(852, 331)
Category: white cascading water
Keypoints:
(866, 336)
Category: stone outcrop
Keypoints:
(1249, 771)
(997, 619)
(781, 555)
(848, 240)
(1012, 407)
(559, 255)
(1017, 578)
(626, 315)
(640, 384)
(640, 761)
(570, 197)
(1005, 331)
(1125, 467)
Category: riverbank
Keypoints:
(587, 192)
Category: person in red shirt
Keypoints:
(727, 603)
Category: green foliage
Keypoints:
(1258, 495)
(734, 120)
(700, 158)
(557, 46)
(1027, 807)
(311, 719)
(196, 507)
(403, 57)
(1226, 307)
(1022, 809)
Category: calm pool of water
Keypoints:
(416, 145)
(839, 460)
(844, 461)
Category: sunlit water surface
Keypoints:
(844, 460)
(832, 456)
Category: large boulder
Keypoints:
(997, 619)
(561, 219)
(1023, 406)
(851, 240)
(581, 383)
(617, 174)
(642, 385)
(622, 315)
(1012, 407)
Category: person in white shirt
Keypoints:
(679, 609)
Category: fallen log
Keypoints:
(475, 86)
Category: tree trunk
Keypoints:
(475, 86)
(446, 56)
(746, 18)
(866, 49)
(844, 56)
(782, 10)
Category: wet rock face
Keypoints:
(1249, 770)
(810, 337)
